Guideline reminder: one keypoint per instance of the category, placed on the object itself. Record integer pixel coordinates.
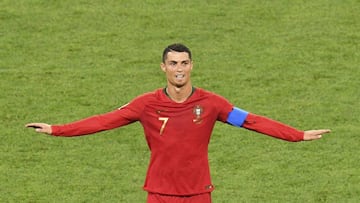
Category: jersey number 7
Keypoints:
(164, 120)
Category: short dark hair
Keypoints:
(175, 47)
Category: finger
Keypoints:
(39, 130)
(327, 131)
(314, 136)
(317, 136)
(320, 132)
(33, 125)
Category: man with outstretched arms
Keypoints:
(178, 121)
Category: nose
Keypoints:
(178, 68)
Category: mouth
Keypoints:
(179, 76)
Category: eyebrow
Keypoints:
(184, 61)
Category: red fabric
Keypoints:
(177, 134)
(272, 128)
(92, 124)
(158, 198)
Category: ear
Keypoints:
(163, 67)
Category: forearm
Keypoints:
(272, 128)
(91, 125)
(82, 127)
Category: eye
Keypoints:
(185, 63)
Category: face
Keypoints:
(177, 68)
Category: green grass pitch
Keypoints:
(293, 61)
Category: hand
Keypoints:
(314, 134)
(40, 127)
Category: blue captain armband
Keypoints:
(237, 117)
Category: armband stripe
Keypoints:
(237, 117)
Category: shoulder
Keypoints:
(142, 100)
(210, 97)
(219, 104)
(149, 95)
(206, 93)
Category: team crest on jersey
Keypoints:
(197, 111)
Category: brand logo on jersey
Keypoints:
(159, 111)
(198, 111)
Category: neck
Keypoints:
(179, 94)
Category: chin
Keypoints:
(179, 85)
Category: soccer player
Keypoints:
(178, 121)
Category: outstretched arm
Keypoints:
(267, 126)
(280, 130)
(124, 115)
(90, 125)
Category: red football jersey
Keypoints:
(177, 134)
